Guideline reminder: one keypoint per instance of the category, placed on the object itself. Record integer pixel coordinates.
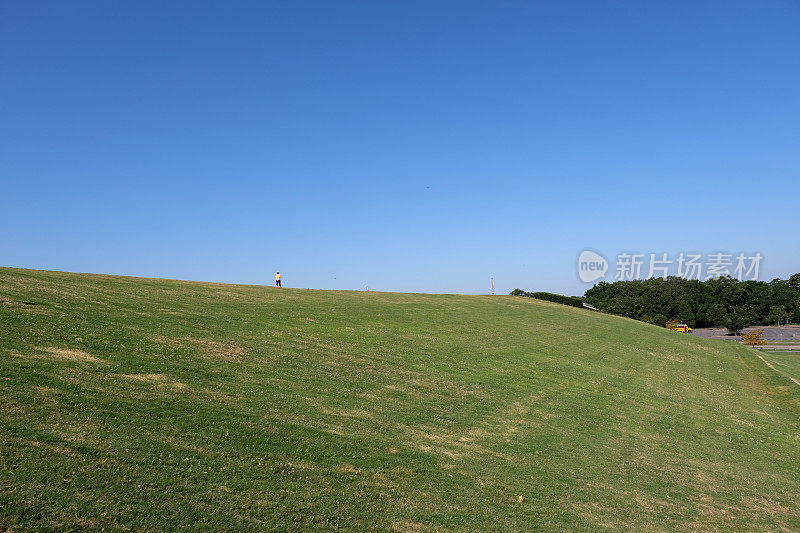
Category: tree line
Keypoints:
(717, 302)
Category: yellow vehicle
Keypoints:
(683, 328)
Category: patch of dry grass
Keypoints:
(218, 350)
(159, 380)
(69, 354)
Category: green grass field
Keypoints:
(161, 405)
(786, 362)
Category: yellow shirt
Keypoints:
(277, 277)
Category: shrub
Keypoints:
(754, 338)
(574, 301)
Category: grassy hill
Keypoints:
(153, 404)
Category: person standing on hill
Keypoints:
(278, 279)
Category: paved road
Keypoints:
(772, 334)
(784, 347)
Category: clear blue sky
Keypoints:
(410, 146)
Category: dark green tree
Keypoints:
(794, 282)
(777, 314)
(739, 319)
(717, 315)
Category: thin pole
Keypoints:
(492, 278)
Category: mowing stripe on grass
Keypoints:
(796, 382)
